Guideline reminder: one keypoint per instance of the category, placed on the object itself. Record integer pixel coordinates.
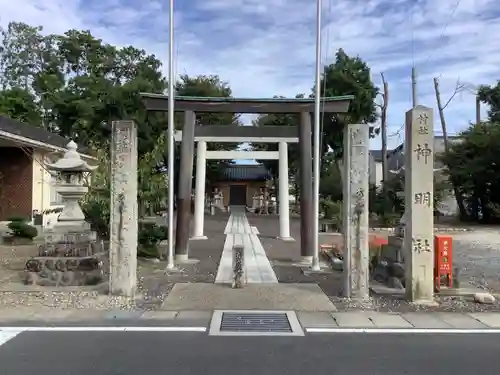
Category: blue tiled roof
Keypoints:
(246, 173)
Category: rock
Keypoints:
(337, 264)
(379, 274)
(485, 298)
(396, 270)
(395, 283)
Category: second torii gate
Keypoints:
(283, 135)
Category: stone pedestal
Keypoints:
(255, 202)
(419, 197)
(124, 210)
(218, 201)
(355, 211)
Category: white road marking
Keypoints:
(403, 330)
(11, 332)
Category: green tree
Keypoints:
(75, 85)
(491, 96)
(81, 84)
(473, 163)
(21, 54)
(348, 76)
(330, 183)
(293, 153)
(208, 86)
(19, 104)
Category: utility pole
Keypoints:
(414, 87)
(478, 110)
(170, 140)
(317, 139)
(383, 125)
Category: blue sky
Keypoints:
(266, 47)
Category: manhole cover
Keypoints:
(256, 323)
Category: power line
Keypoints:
(446, 24)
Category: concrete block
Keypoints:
(160, 315)
(389, 320)
(491, 320)
(353, 319)
(309, 319)
(425, 320)
(461, 321)
(194, 315)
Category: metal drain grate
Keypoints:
(255, 323)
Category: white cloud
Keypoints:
(266, 47)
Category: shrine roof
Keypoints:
(238, 172)
(33, 135)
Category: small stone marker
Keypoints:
(238, 264)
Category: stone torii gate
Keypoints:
(242, 134)
(418, 244)
(192, 105)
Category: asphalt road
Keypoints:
(152, 353)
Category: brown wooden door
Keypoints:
(238, 195)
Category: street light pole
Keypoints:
(317, 139)
(170, 139)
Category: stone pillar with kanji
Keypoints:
(419, 200)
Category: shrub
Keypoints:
(22, 229)
(332, 210)
(17, 219)
(389, 220)
(150, 236)
(97, 215)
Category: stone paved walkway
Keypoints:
(257, 268)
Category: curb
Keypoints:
(405, 330)
(436, 230)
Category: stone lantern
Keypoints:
(70, 171)
(69, 255)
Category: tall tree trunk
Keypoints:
(456, 191)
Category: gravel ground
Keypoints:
(156, 283)
(283, 255)
(476, 254)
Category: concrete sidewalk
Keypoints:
(311, 321)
